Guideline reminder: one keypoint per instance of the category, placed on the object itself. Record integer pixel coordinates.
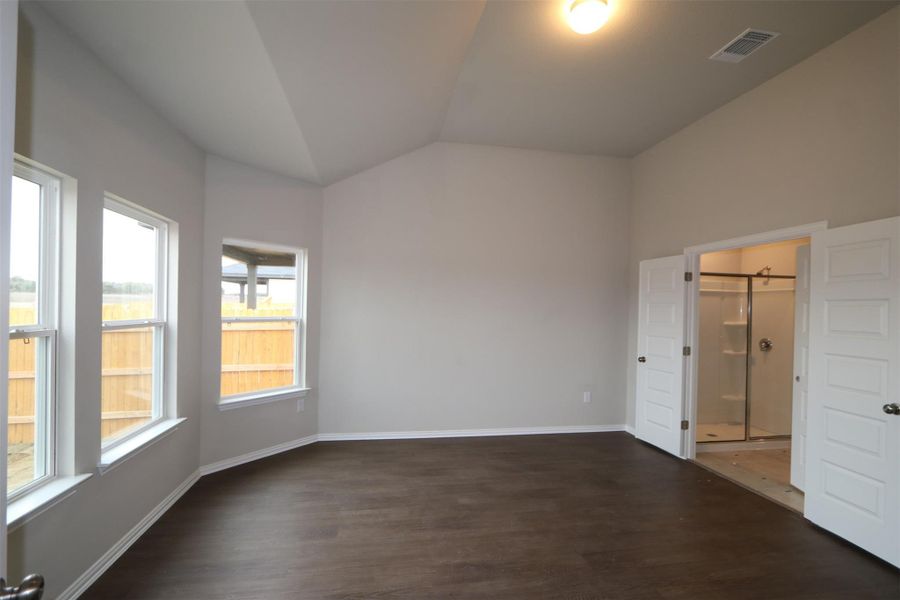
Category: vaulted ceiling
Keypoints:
(322, 90)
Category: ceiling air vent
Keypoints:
(744, 45)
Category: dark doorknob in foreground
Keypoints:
(891, 409)
(642, 359)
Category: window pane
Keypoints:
(257, 356)
(275, 282)
(25, 244)
(28, 409)
(129, 267)
(128, 382)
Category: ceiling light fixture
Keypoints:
(587, 16)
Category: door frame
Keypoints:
(692, 312)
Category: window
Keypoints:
(33, 306)
(262, 321)
(134, 321)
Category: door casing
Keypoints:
(692, 312)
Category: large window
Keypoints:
(34, 256)
(262, 320)
(134, 320)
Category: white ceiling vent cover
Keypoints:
(744, 45)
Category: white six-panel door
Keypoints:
(801, 368)
(9, 18)
(660, 342)
(853, 444)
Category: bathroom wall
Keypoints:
(723, 371)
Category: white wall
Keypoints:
(817, 142)
(246, 203)
(75, 116)
(474, 287)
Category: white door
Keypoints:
(853, 444)
(660, 361)
(801, 368)
(9, 18)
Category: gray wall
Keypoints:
(818, 142)
(75, 116)
(246, 203)
(474, 287)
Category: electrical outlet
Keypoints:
(301, 404)
(586, 398)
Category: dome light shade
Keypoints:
(587, 16)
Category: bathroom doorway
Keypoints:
(746, 375)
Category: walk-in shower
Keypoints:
(745, 356)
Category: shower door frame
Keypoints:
(692, 314)
(747, 357)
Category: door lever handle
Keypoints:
(891, 409)
(31, 588)
(642, 359)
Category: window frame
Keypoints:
(46, 328)
(298, 389)
(159, 321)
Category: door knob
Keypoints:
(642, 359)
(31, 588)
(765, 344)
(891, 409)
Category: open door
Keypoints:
(9, 20)
(660, 368)
(853, 433)
(801, 369)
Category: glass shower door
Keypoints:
(722, 389)
(771, 357)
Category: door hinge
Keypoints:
(684, 425)
(686, 351)
(688, 276)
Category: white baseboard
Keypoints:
(454, 433)
(81, 584)
(257, 454)
(630, 430)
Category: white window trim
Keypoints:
(299, 390)
(55, 490)
(134, 444)
(264, 397)
(47, 325)
(133, 440)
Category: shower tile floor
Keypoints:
(766, 472)
(727, 432)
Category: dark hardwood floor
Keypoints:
(565, 516)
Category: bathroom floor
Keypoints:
(766, 472)
(723, 432)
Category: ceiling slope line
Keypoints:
(439, 134)
(302, 138)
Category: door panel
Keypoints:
(9, 19)
(853, 445)
(801, 369)
(660, 342)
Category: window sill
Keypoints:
(23, 509)
(232, 402)
(118, 454)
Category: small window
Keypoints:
(34, 255)
(262, 320)
(134, 321)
